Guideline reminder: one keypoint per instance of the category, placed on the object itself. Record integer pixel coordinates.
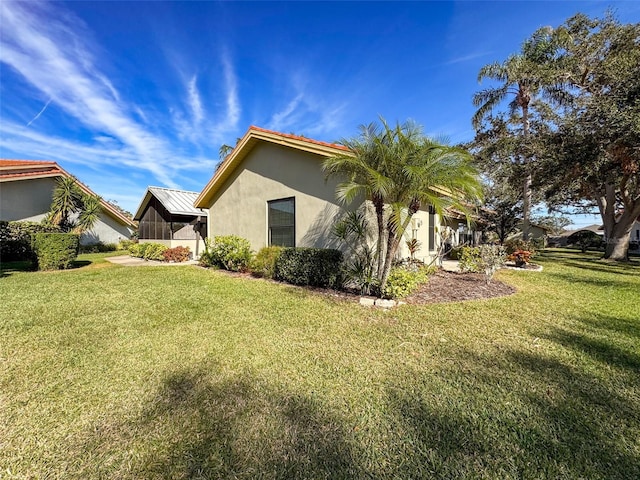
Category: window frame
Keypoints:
(293, 226)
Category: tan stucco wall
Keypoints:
(271, 172)
(30, 200)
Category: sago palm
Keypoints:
(66, 200)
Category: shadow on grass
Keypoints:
(596, 281)
(548, 420)
(9, 268)
(590, 261)
(197, 427)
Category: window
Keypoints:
(432, 228)
(281, 222)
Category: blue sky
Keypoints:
(129, 94)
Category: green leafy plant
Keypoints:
(359, 267)
(230, 252)
(404, 281)
(154, 251)
(176, 254)
(317, 267)
(485, 259)
(16, 241)
(515, 244)
(125, 244)
(264, 263)
(55, 251)
(99, 247)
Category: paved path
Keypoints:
(128, 261)
(451, 265)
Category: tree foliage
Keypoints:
(400, 171)
(73, 210)
(594, 155)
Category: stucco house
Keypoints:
(26, 191)
(271, 190)
(167, 216)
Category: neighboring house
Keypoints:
(26, 191)
(536, 232)
(271, 190)
(634, 239)
(168, 216)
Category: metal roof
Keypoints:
(177, 202)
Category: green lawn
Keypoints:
(115, 372)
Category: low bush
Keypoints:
(99, 247)
(230, 252)
(154, 251)
(55, 251)
(485, 259)
(264, 263)
(148, 251)
(317, 267)
(455, 253)
(403, 281)
(518, 244)
(126, 244)
(177, 254)
(16, 241)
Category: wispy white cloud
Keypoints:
(43, 44)
(194, 100)
(466, 58)
(233, 111)
(283, 118)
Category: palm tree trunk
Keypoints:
(379, 206)
(526, 193)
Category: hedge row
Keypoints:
(55, 251)
(16, 239)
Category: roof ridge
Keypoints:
(298, 137)
(172, 189)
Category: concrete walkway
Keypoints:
(128, 261)
(451, 265)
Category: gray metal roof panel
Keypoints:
(177, 202)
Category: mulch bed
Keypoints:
(455, 287)
(442, 287)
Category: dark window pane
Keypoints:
(281, 222)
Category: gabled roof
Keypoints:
(177, 202)
(250, 139)
(14, 170)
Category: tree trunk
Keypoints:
(617, 231)
(526, 194)
(617, 242)
(526, 207)
(378, 204)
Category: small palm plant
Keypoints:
(413, 246)
(71, 209)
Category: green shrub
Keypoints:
(264, 263)
(404, 281)
(177, 254)
(148, 251)
(154, 251)
(99, 247)
(455, 253)
(55, 251)
(16, 241)
(515, 244)
(470, 260)
(485, 259)
(317, 267)
(125, 244)
(230, 252)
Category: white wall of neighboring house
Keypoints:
(30, 200)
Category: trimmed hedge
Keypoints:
(55, 251)
(316, 267)
(148, 251)
(15, 239)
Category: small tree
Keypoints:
(72, 210)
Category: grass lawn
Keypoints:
(115, 372)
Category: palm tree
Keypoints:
(364, 167)
(399, 170)
(70, 201)
(66, 200)
(527, 77)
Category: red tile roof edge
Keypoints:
(298, 137)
